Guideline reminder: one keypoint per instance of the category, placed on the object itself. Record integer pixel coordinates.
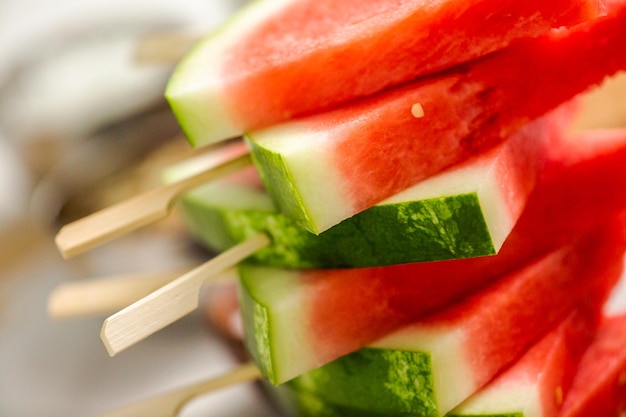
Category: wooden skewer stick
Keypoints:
(106, 295)
(103, 295)
(172, 301)
(166, 48)
(135, 212)
(169, 404)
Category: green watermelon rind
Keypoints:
(303, 404)
(205, 210)
(374, 379)
(267, 309)
(198, 220)
(441, 228)
(386, 377)
(279, 181)
(255, 316)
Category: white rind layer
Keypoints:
(196, 89)
(291, 350)
(498, 217)
(510, 398)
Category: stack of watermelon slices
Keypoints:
(581, 186)
(465, 211)
(468, 332)
(329, 166)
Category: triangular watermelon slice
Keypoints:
(279, 59)
(431, 366)
(465, 211)
(582, 185)
(294, 324)
(532, 386)
(325, 168)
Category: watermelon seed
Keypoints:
(558, 395)
(417, 111)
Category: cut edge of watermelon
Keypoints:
(479, 177)
(261, 334)
(198, 112)
(280, 172)
(446, 347)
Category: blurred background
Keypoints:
(83, 124)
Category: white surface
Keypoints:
(15, 183)
(61, 369)
(67, 65)
(66, 68)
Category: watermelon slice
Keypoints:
(532, 386)
(287, 334)
(463, 212)
(453, 352)
(599, 388)
(582, 185)
(327, 167)
(279, 59)
(535, 385)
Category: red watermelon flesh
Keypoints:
(599, 387)
(398, 53)
(280, 59)
(359, 154)
(536, 383)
